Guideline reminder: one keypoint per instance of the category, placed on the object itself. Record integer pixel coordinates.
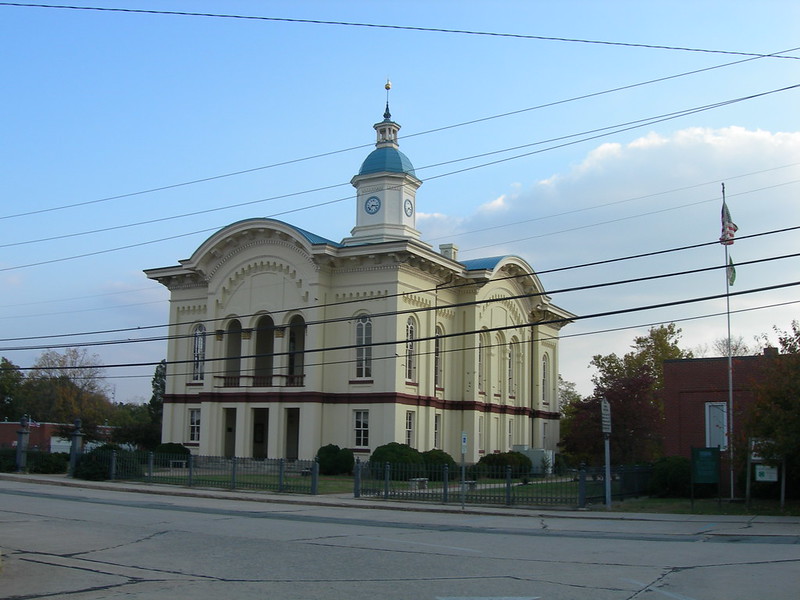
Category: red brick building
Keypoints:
(695, 397)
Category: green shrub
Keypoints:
(164, 453)
(47, 462)
(8, 460)
(671, 477)
(406, 461)
(494, 465)
(95, 465)
(334, 460)
(435, 460)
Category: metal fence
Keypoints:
(477, 484)
(277, 475)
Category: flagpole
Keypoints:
(730, 354)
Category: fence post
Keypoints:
(233, 473)
(22, 444)
(445, 483)
(357, 479)
(386, 473)
(281, 473)
(582, 486)
(112, 472)
(76, 448)
(150, 463)
(191, 470)
(315, 477)
(508, 485)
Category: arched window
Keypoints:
(297, 349)
(364, 347)
(512, 368)
(199, 353)
(233, 353)
(411, 361)
(265, 352)
(482, 366)
(438, 360)
(545, 379)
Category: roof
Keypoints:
(385, 159)
(482, 264)
(313, 238)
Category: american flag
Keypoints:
(728, 226)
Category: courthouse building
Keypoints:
(282, 341)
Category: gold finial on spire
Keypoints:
(387, 115)
(388, 85)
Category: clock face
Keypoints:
(372, 205)
(408, 207)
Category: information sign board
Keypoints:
(705, 465)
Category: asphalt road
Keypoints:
(79, 543)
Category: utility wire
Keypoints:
(395, 27)
(637, 124)
(415, 310)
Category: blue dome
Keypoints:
(386, 159)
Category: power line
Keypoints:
(395, 27)
(416, 310)
(624, 127)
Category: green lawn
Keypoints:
(706, 506)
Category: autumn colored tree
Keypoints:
(630, 383)
(775, 417)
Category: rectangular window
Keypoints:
(510, 434)
(361, 428)
(194, 424)
(717, 425)
(437, 430)
(438, 379)
(480, 433)
(410, 415)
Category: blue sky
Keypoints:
(100, 105)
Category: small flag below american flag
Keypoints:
(728, 226)
(731, 271)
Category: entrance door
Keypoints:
(292, 433)
(230, 432)
(260, 428)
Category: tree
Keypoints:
(11, 380)
(719, 347)
(630, 384)
(775, 417)
(140, 424)
(567, 392)
(64, 386)
(159, 385)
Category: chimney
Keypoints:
(770, 351)
(449, 251)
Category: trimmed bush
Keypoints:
(95, 465)
(494, 465)
(671, 477)
(407, 460)
(334, 460)
(8, 460)
(47, 462)
(435, 460)
(165, 453)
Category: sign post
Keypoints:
(464, 441)
(605, 411)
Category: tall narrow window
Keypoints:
(364, 347)
(410, 433)
(500, 350)
(361, 428)
(411, 362)
(438, 365)
(481, 365)
(297, 348)
(545, 380)
(437, 430)
(233, 353)
(480, 433)
(265, 352)
(199, 353)
(512, 365)
(194, 424)
(510, 434)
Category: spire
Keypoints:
(387, 129)
(387, 116)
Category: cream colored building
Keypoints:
(282, 341)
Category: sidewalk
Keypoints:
(348, 501)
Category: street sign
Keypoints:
(766, 473)
(605, 411)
